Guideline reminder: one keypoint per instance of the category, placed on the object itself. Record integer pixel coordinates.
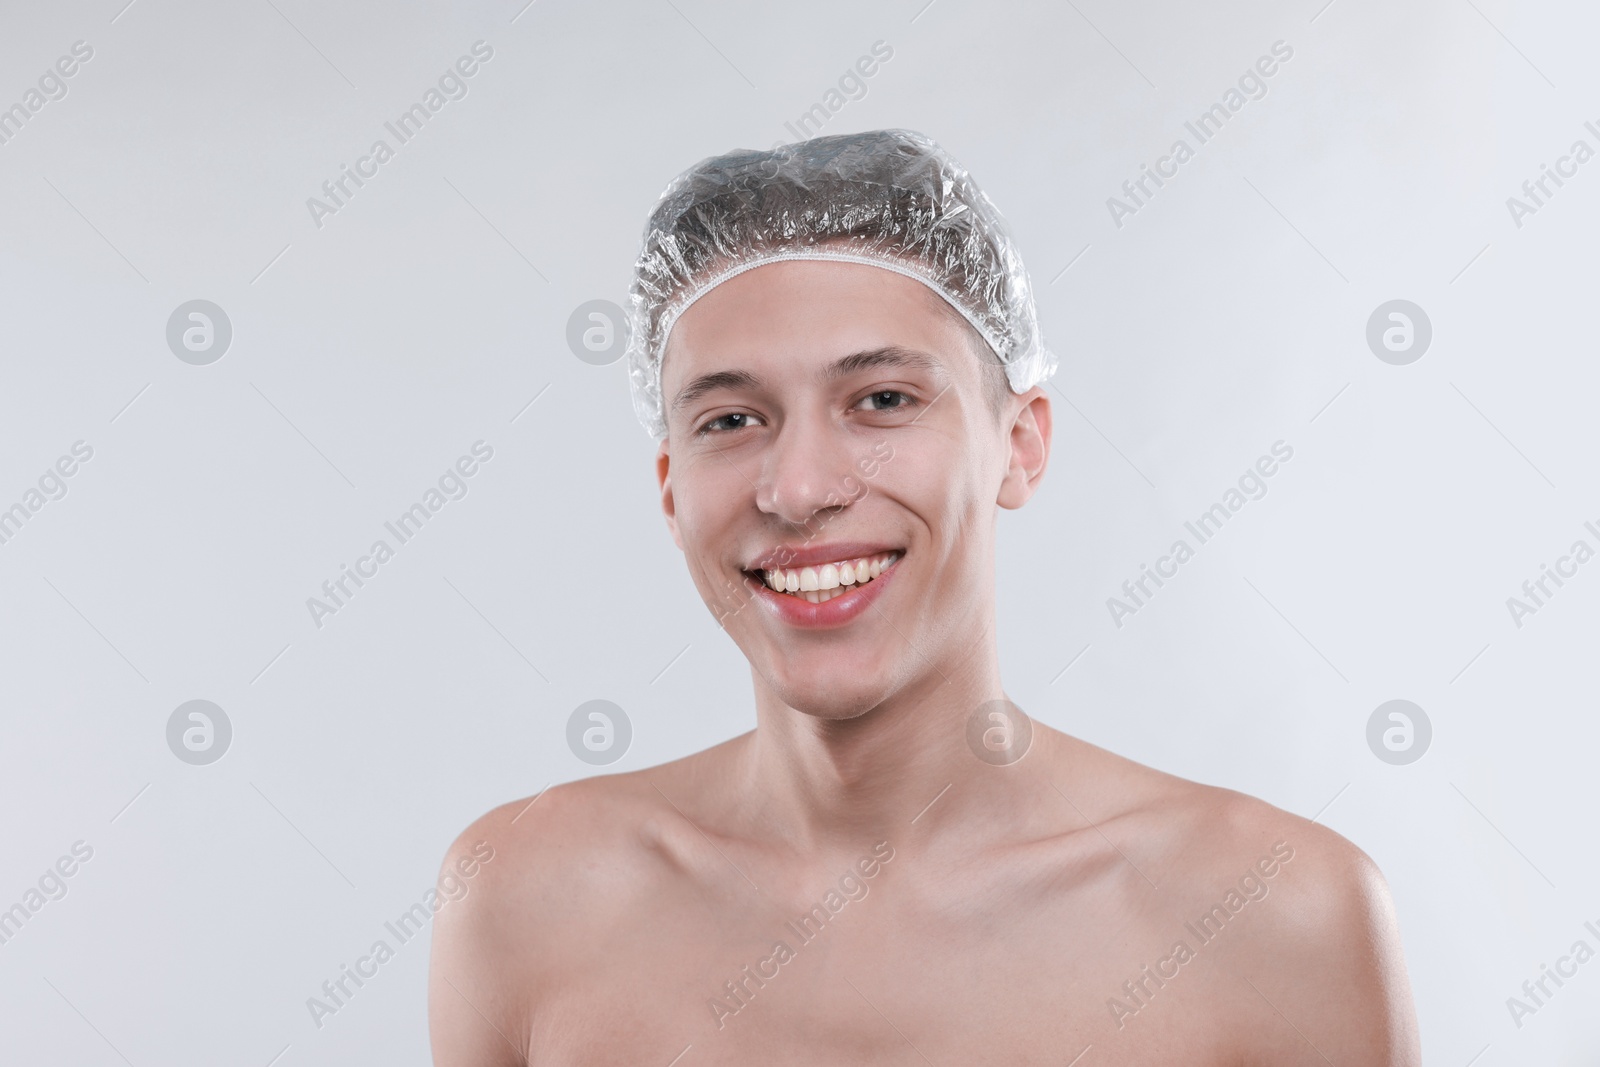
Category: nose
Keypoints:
(806, 469)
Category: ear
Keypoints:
(1029, 442)
(664, 476)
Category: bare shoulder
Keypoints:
(1300, 917)
(575, 856)
(1324, 950)
(566, 857)
(530, 888)
(1196, 833)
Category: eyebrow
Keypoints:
(887, 356)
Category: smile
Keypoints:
(821, 584)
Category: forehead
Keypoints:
(795, 315)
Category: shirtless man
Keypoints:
(896, 866)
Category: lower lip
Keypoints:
(840, 611)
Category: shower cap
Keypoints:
(887, 198)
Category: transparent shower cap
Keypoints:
(886, 198)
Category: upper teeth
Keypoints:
(829, 575)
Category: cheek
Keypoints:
(709, 499)
(951, 497)
(940, 486)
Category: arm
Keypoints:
(474, 1017)
(1330, 976)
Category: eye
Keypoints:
(734, 420)
(887, 400)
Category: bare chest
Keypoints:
(697, 982)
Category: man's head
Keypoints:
(836, 347)
(890, 198)
(820, 412)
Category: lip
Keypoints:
(831, 614)
(808, 555)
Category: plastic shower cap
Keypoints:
(887, 198)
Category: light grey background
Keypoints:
(368, 354)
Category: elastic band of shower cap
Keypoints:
(670, 317)
(891, 199)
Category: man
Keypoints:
(896, 865)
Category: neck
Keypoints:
(902, 767)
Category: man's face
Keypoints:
(822, 414)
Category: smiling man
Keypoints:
(836, 348)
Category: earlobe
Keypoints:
(1030, 450)
(669, 507)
